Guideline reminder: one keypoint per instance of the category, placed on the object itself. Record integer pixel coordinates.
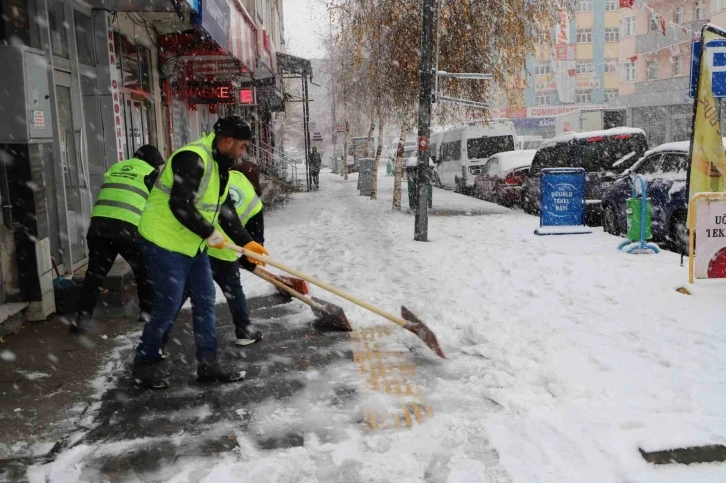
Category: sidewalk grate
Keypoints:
(388, 373)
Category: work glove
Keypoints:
(215, 240)
(253, 246)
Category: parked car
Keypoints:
(603, 154)
(464, 150)
(665, 170)
(502, 177)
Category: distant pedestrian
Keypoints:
(316, 162)
(114, 230)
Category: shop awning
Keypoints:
(289, 64)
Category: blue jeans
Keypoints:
(170, 272)
(226, 275)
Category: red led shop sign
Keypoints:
(247, 96)
(209, 93)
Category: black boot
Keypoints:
(150, 376)
(211, 371)
(247, 335)
(81, 324)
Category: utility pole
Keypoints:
(421, 228)
(306, 122)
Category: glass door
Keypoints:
(74, 177)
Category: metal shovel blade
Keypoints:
(330, 315)
(422, 331)
(297, 284)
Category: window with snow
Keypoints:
(583, 97)
(717, 5)
(653, 23)
(699, 10)
(610, 94)
(542, 68)
(543, 99)
(611, 66)
(583, 66)
(677, 66)
(584, 36)
(629, 72)
(612, 4)
(612, 34)
(652, 70)
(628, 26)
(584, 6)
(678, 15)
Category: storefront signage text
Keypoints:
(206, 93)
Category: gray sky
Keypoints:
(305, 21)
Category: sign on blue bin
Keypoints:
(562, 202)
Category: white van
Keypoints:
(465, 149)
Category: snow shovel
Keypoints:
(297, 284)
(330, 315)
(408, 320)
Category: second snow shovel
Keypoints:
(297, 284)
(408, 320)
(329, 314)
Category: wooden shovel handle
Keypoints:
(319, 283)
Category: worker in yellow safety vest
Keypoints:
(114, 230)
(225, 265)
(189, 201)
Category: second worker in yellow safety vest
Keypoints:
(189, 198)
(114, 230)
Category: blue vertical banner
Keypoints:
(214, 17)
(195, 5)
(562, 201)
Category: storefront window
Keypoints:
(145, 68)
(84, 38)
(58, 28)
(139, 123)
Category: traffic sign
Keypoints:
(716, 57)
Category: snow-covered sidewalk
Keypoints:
(564, 355)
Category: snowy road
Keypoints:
(564, 355)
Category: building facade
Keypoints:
(94, 80)
(610, 55)
(655, 57)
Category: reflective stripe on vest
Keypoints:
(158, 223)
(247, 204)
(123, 195)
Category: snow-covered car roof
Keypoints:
(515, 159)
(681, 146)
(571, 136)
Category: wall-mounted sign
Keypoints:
(215, 19)
(195, 4)
(339, 127)
(209, 93)
(247, 96)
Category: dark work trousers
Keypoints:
(102, 253)
(226, 275)
(316, 177)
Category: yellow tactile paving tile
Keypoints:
(390, 373)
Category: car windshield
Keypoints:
(486, 147)
(611, 153)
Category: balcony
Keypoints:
(656, 40)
